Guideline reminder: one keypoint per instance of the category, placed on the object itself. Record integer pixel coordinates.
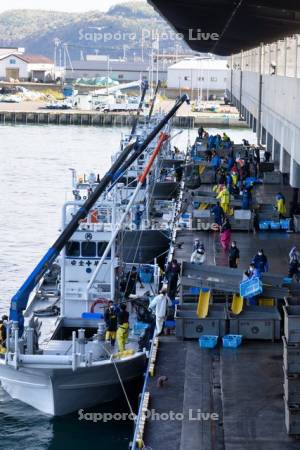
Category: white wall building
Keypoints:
(204, 74)
(24, 67)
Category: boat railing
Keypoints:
(136, 441)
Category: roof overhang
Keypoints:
(238, 24)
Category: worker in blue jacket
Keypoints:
(260, 261)
(246, 198)
(218, 214)
(215, 163)
(230, 163)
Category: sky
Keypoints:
(59, 5)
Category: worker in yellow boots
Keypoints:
(123, 327)
(224, 197)
(280, 205)
(111, 321)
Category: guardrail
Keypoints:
(137, 441)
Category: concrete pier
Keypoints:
(98, 119)
(242, 387)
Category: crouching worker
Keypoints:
(123, 327)
(111, 321)
(160, 304)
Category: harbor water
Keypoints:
(35, 163)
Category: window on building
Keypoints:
(186, 78)
(88, 249)
(201, 79)
(12, 61)
(213, 79)
(120, 76)
(73, 249)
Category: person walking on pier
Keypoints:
(225, 235)
(218, 214)
(172, 274)
(200, 132)
(224, 197)
(198, 256)
(215, 163)
(123, 327)
(260, 262)
(280, 205)
(160, 304)
(294, 264)
(234, 256)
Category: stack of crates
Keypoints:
(291, 368)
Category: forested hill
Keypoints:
(121, 29)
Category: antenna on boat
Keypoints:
(144, 85)
(153, 100)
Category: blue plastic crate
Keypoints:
(146, 274)
(275, 225)
(196, 204)
(232, 340)
(170, 324)
(139, 327)
(250, 288)
(93, 316)
(194, 290)
(285, 224)
(287, 281)
(208, 341)
(264, 225)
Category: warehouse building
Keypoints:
(122, 71)
(22, 67)
(194, 74)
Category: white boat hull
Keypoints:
(59, 391)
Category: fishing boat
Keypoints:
(61, 363)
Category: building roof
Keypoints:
(120, 66)
(200, 64)
(240, 25)
(30, 59)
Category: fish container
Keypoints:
(194, 290)
(190, 326)
(286, 281)
(292, 419)
(92, 316)
(139, 327)
(170, 324)
(146, 274)
(264, 225)
(207, 341)
(256, 323)
(291, 388)
(232, 340)
(196, 204)
(275, 225)
(291, 357)
(251, 288)
(292, 323)
(285, 224)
